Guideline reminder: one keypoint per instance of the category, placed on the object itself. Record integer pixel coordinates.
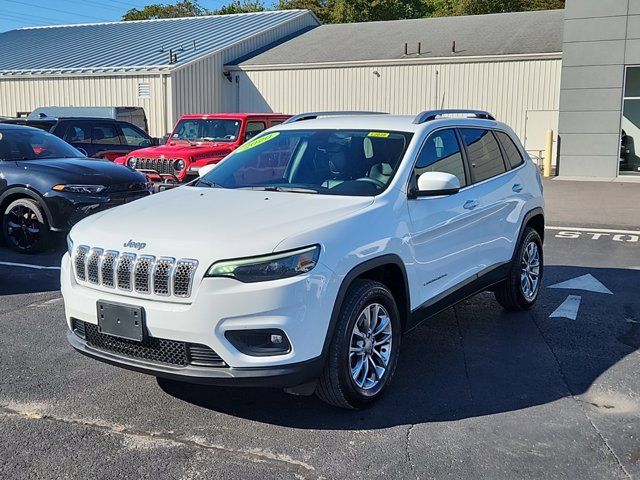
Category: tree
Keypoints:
(236, 6)
(323, 9)
(184, 8)
(346, 11)
(480, 7)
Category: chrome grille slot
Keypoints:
(124, 270)
(142, 273)
(109, 260)
(160, 165)
(93, 265)
(163, 276)
(162, 273)
(183, 276)
(80, 262)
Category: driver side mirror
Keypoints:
(206, 169)
(434, 184)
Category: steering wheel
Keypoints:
(377, 183)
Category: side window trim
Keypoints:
(412, 179)
(519, 149)
(505, 159)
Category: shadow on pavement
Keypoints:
(16, 280)
(470, 361)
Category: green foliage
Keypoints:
(323, 9)
(346, 11)
(184, 8)
(236, 6)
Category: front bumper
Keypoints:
(301, 307)
(278, 377)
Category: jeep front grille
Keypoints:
(160, 165)
(127, 271)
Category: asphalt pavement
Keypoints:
(478, 393)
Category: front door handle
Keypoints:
(517, 188)
(471, 204)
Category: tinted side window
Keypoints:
(514, 157)
(253, 129)
(106, 134)
(484, 154)
(133, 136)
(78, 133)
(442, 153)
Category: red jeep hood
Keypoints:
(184, 149)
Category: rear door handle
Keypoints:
(471, 204)
(517, 188)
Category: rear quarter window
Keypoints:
(514, 157)
(485, 158)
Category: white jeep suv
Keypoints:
(301, 259)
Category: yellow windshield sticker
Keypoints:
(257, 141)
(378, 134)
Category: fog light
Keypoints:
(259, 343)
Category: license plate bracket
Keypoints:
(119, 320)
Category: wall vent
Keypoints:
(144, 90)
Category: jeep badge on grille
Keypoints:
(136, 245)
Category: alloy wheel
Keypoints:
(22, 227)
(370, 346)
(530, 273)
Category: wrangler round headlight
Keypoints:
(132, 162)
(179, 165)
(268, 267)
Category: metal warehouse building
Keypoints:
(169, 67)
(509, 64)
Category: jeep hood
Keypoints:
(183, 149)
(210, 224)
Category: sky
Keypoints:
(29, 13)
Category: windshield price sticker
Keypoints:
(378, 134)
(257, 141)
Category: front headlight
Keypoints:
(69, 244)
(132, 162)
(80, 188)
(268, 267)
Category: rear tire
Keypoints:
(24, 226)
(521, 288)
(364, 349)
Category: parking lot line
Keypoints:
(597, 230)
(28, 265)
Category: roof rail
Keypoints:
(429, 115)
(313, 115)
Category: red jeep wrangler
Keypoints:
(196, 141)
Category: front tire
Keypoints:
(364, 350)
(24, 226)
(522, 287)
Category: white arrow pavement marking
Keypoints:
(27, 265)
(586, 282)
(568, 308)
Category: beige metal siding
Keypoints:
(506, 88)
(24, 94)
(201, 87)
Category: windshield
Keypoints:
(28, 144)
(330, 162)
(211, 130)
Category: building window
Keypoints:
(630, 134)
(144, 90)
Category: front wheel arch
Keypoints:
(14, 193)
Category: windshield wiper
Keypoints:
(208, 183)
(273, 188)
